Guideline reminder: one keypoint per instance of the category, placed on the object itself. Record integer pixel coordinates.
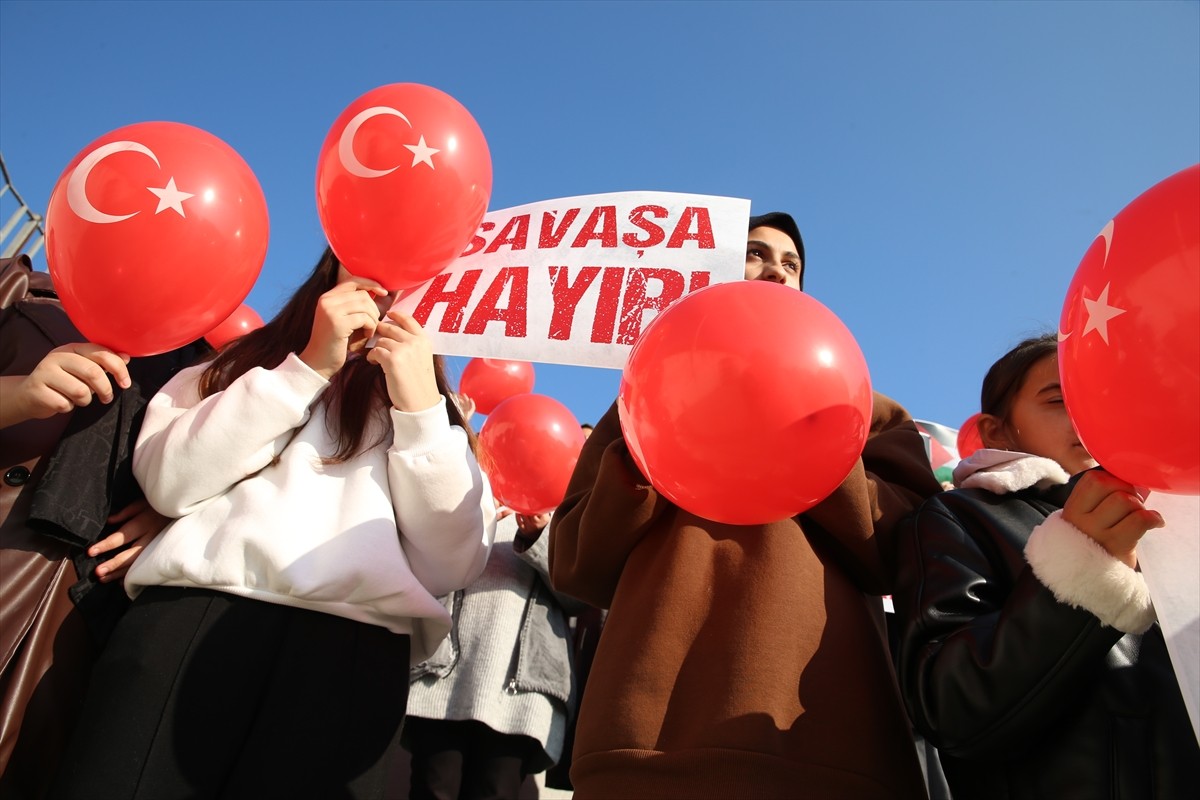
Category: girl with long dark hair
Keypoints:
(325, 492)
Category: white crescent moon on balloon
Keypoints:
(1107, 235)
(77, 197)
(346, 143)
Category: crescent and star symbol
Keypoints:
(168, 197)
(1099, 313)
(422, 153)
(1101, 302)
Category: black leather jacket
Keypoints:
(1025, 696)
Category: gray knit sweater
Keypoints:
(507, 660)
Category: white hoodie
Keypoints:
(375, 539)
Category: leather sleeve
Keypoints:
(987, 658)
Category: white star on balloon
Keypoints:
(170, 197)
(1099, 313)
(422, 153)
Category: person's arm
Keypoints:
(859, 519)
(609, 506)
(532, 545)
(443, 503)
(988, 657)
(191, 450)
(137, 525)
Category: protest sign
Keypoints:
(576, 280)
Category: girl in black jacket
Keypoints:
(1030, 653)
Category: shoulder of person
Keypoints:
(19, 281)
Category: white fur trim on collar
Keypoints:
(1002, 472)
(1082, 574)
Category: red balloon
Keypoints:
(1129, 340)
(155, 232)
(491, 381)
(243, 320)
(746, 402)
(403, 180)
(969, 439)
(529, 445)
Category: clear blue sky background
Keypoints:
(948, 163)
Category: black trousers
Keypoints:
(201, 694)
(466, 760)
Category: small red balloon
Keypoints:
(529, 445)
(154, 234)
(243, 320)
(1129, 340)
(491, 381)
(969, 439)
(745, 402)
(403, 180)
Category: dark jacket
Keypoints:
(62, 477)
(1027, 695)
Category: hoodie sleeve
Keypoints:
(608, 508)
(443, 502)
(858, 521)
(190, 450)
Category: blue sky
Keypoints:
(948, 163)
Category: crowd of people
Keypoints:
(278, 571)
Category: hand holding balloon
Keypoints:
(345, 318)
(66, 378)
(1109, 510)
(404, 353)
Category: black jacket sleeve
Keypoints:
(987, 656)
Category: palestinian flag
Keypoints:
(941, 444)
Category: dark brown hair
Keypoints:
(1007, 375)
(357, 391)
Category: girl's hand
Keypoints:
(139, 525)
(531, 526)
(405, 355)
(66, 378)
(1110, 511)
(345, 319)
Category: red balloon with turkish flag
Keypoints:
(1129, 340)
(155, 232)
(243, 320)
(969, 439)
(491, 381)
(528, 446)
(403, 180)
(746, 402)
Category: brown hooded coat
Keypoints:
(740, 661)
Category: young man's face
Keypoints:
(771, 256)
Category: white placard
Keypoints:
(1170, 560)
(576, 280)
